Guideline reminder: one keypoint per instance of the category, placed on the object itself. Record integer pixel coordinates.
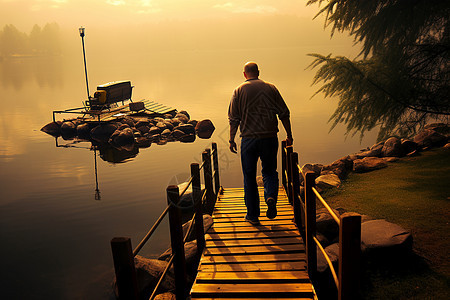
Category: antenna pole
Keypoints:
(82, 29)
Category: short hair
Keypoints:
(251, 68)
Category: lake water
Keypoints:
(55, 235)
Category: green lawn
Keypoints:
(414, 193)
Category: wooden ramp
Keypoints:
(252, 262)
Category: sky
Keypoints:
(69, 13)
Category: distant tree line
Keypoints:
(402, 79)
(40, 41)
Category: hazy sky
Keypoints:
(25, 13)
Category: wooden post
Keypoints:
(207, 173)
(296, 191)
(289, 151)
(283, 164)
(349, 256)
(310, 224)
(216, 168)
(197, 197)
(176, 239)
(124, 268)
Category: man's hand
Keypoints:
(289, 140)
(233, 147)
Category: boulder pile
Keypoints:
(378, 156)
(140, 129)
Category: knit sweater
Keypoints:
(254, 107)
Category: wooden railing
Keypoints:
(347, 277)
(123, 255)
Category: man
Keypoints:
(253, 109)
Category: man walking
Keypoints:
(253, 109)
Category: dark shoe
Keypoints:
(271, 212)
(252, 221)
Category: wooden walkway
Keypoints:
(252, 262)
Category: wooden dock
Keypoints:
(252, 262)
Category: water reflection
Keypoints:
(19, 72)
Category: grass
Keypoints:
(414, 193)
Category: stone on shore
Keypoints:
(122, 137)
(207, 223)
(333, 253)
(392, 147)
(52, 128)
(68, 128)
(165, 296)
(325, 223)
(328, 181)
(381, 234)
(148, 272)
(340, 167)
(430, 138)
(368, 164)
(204, 129)
(103, 132)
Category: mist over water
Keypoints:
(54, 232)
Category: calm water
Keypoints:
(55, 236)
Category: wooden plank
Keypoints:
(249, 235)
(241, 219)
(217, 259)
(242, 214)
(254, 290)
(247, 227)
(251, 298)
(243, 243)
(252, 277)
(248, 267)
(264, 249)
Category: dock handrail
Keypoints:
(123, 256)
(347, 277)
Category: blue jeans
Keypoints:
(266, 149)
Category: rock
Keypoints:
(165, 296)
(378, 234)
(122, 137)
(259, 181)
(207, 223)
(391, 159)
(187, 138)
(182, 118)
(154, 137)
(123, 126)
(148, 272)
(52, 128)
(190, 253)
(169, 125)
(186, 200)
(325, 224)
(127, 120)
(143, 129)
(328, 181)
(175, 122)
(392, 147)
(161, 125)
(340, 167)
(368, 164)
(68, 128)
(204, 129)
(186, 128)
(430, 138)
(176, 134)
(409, 146)
(142, 123)
(316, 168)
(103, 132)
(184, 113)
(83, 130)
(154, 130)
(143, 142)
(447, 146)
(333, 253)
(166, 132)
(193, 122)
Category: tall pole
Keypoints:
(81, 29)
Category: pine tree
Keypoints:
(401, 79)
